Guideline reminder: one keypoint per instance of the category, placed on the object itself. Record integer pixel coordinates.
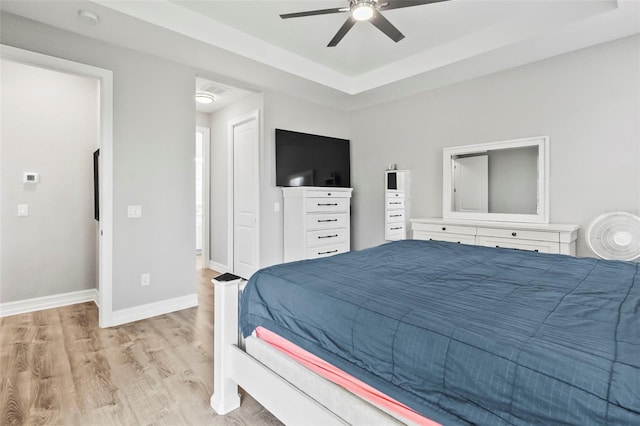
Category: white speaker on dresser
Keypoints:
(317, 222)
(396, 204)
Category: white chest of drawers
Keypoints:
(396, 204)
(544, 238)
(317, 222)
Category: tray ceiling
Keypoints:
(252, 46)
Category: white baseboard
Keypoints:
(48, 302)
(137, 313)
(218, 267)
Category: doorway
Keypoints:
(202, 179)
(471, 184)
(105, 118)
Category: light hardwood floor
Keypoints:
(58, 367)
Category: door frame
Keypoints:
(206, 193)
(254, 115)
(105, 137)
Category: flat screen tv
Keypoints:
(311, 160)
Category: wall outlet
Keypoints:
(145, 279)
(23, 210)
(276, 207)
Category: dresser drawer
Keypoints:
(328, 236)
(453, 229)
(324, 251)
(397, 228)
(395, 216)
(395, 203)
(519, 234)
(321, 193)
(327, 220)
(327, 204)
(514, 243)
(445, 236)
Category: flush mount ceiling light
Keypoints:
(362, 10)
(204, 98)
(88, 17)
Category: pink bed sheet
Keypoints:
(341, 378)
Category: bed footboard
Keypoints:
(233, 367)
(225, 396)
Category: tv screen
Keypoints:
(311, 160)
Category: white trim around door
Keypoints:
(105, 77)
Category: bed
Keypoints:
(460, 334)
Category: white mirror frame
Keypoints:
(542, 214)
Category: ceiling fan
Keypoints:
(364, 10)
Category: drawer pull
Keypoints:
(328, 252)
(513, 234)
(327, 204)
(328, 236)
(396, 215)
(536, 250)
(395, 202)
(396, 228)
(444, 228)
(327, 220)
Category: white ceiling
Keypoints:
(252, 47)
(222, 93)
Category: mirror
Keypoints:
(498, 181)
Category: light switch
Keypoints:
(30, 177)
(134, 211)
(23, 210)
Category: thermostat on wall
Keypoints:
(30, 177)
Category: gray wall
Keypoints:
(587, 102)
(153, 133)
(203, 119)
(49, 126)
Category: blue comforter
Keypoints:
(465, 334)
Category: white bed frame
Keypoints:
(287, 401)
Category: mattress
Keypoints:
(467, 334)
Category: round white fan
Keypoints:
(615, 236)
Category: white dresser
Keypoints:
(396, 204)
(544, 238)
(317, 222)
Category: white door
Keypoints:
(471, 184)
(245, 136)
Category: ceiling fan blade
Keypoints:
(314, 12)
(386, 27)
(344, 29)
(397, 4)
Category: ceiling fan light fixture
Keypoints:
(362, 10)
(204, 98)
